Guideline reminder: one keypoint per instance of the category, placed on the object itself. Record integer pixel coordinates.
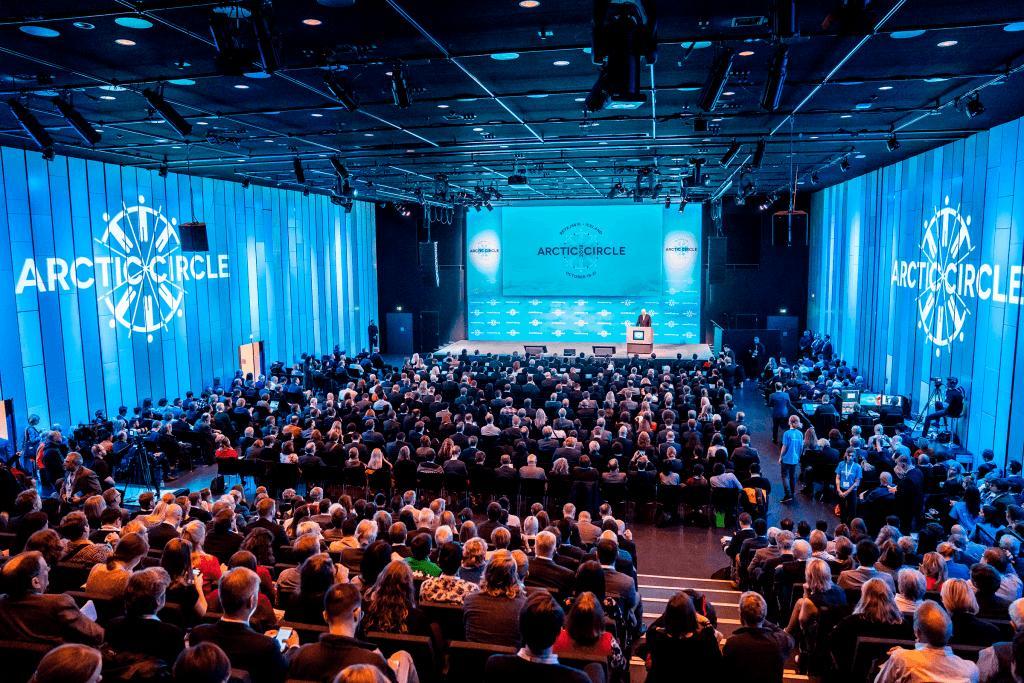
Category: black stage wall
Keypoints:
(438, 312)
(753, 278)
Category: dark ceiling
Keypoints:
(478, 119)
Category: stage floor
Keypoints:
(703, 351)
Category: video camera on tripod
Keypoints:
(139, 467)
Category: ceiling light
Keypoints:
(885, 87)
(202, 123)
(715, 83)
(755, 162)
(256, 74)
(32, 126)
(400, 88)
(133, 22)
(561, 62)
(39, 31)
(860, 156)
(505, 56)
(181, 81)
(731, 153)
(904, 35)
(772, 94)
(342, 91)
(747, 53)
(77, 121)
(579, 99)
(241, 86)
(125, 42)
(947, 43)
(478, 129)
(312, 22)
(1014, 27)
(300, 174)
(107, 97)
(367, 135)
(529, 4)
(84, 25)
(974, 107)
(317, 115)
(699, 45)
(170, 114)
(846, 116)
(815, 137)
(442, 106)
(268, 140)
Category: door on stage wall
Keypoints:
(398, 333)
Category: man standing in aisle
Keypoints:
(780, 405)
(789, 457)
(372, 333)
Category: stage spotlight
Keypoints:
(233, 57)
(300, 174)
(682, 204)
(974, 107)
(339, 167)
(598, 97)
(32, 126)
(245, 183)
(494, 192)
(815, 178)
(892, 144)
(487, 205)
(700, 124)
(77, 121)
(348, 206)
(844, 165)
(346, 188)
(162, 170)
(305, 191)
(755, 162)
(772, 94)
(170, 114)
(616, 190)
(400, 88)
(668, 202)
(623, 35)
(784, 19)
(656, 191)
(697, 179)
(715, 83)
(342, 92)
(731, 153)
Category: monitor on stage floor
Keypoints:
(582, 272)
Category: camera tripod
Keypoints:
(139, 473)
(933, 397)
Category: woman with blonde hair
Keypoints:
(474, 554)
(958, 599)
(360, 673)
(209, 566)
(876, 615)
(813, 614)
(491, 614)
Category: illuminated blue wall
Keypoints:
(902, 320)
(86, 326)
(516, 292)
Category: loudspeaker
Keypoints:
(789, 229)
(429, 271)
(193, 237)
(716, 260)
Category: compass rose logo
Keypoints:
(145, 298)
(941, 308)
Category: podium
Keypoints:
(639, 340)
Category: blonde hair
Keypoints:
(877, 603)
(958, 596)
(474, 552)
(817, 576)
(500, 577)
(933, 566)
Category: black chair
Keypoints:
(420, 648)
(67, 577)
(106, 608)
(229, 467)
(726, 501)
(583, 660)
(532, 491)
(308, 633)
(284, 475)
(355, 478)
(467, 661)
(696, 501)
(448, 617)
(614, 494)
(429, 482)
(455, 485)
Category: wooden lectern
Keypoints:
(639, 339)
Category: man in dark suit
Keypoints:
(140, 631)
(644, 319)
(79, 481)
(909, 493)
(544, 571)
(167, 529)
(744, 533)
(266, 509)
(540, 622)
(28, 614)
(339, 647)
(223, 541)
(247, 649)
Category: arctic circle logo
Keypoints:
(946, 242)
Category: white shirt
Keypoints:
(927, 664)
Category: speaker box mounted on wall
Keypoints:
(429, 271)
(193, 237)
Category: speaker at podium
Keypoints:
(639, 339)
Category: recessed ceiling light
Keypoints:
(256, 75)
(561, 62)
(268, 140)
(181, 81)
(688, 88)
(602, 143)
(84, 25)
(241, 86)
(442, 106)
(947, 43)
(125, 42)
(815, 137)
(728, 93)
(175, 146)
(202, 123)
(47, 93)
(505, 56)
(39, 31)
(478, 129)
(747, 53)
(133, 22)
(936, 79)
(1014, 27)
(860, 156)
(590, 161)
(529, 4)
(717, 120)
(107, 97)
(317, 115)
(368, 135)
(312, 22)
(885, 87)
(862, 106)
(538, 96)
(846, 116)
(503, 146)
(904, 35)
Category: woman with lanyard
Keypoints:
(848, 476)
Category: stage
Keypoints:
(703, 351)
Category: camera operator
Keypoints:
(953, 406)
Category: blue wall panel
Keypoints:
(277, 267)
(863, 229)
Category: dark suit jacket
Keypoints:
(321, 661)
(254, 652)
(161, 534)
(514, 669)
(86, 483)
(148, 637)
(47, 619)
(549, 574)
(280, 537)
(643, 320)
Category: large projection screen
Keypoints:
(582, 272)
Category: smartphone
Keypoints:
(283, 634)
(197, 573)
